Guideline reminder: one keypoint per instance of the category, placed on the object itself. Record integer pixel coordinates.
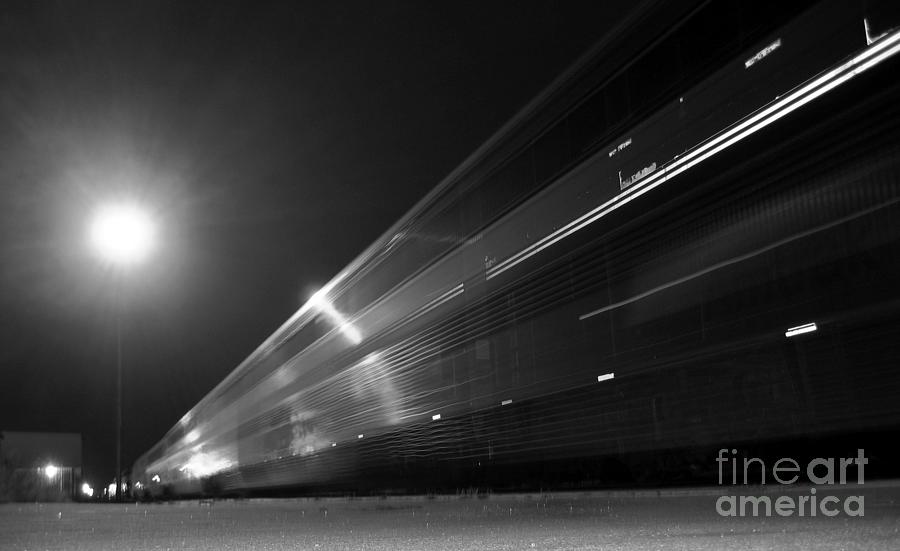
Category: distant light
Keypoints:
(800, 329)
(361, 436)
(605, 377)
(111, 490)
(87, 490)
(50, 471)
(333, 444)
(122, 233)
(192, 436)
(138, 485)
(155, 478)
(505, 402)
(435, 417)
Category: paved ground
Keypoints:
(611, 520)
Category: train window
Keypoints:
(482, 349)
(471, 215)
(759, 18)
(441, 229)
(552, 152)
(617, 104)
(654, 75)
(511, 182)
(709, 38)
(588, 124)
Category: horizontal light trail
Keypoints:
(874, 54)
(801, 329)
(737, 259)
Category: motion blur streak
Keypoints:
(737, 259)
(778, 109)
(322, 304)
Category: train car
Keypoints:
(689, 241)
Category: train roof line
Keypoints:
(484, 153)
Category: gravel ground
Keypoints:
(603, 520)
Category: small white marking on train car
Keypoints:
(436, 417)
(605, 377)
(620, 147)
(505, 402)
(800, 329)
(869, 38)
(762, 53)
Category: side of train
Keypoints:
(684, 244)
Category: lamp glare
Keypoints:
(122, 234)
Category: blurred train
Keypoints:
(689, 241)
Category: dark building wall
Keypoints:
(26, 456)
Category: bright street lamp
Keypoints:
(123, 235)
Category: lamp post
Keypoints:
(123, 235)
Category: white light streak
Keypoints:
(605, 377)
(371, 359)
(431, 305)
(783, 106)
(322, 304)
(801, 329)
(204, 464)
(762, 53)
(505, 402)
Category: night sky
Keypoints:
(271, 143)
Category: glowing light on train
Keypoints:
(322, 304)
(436, 417)
(371, 359)
(204, 464)
(800, 329)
